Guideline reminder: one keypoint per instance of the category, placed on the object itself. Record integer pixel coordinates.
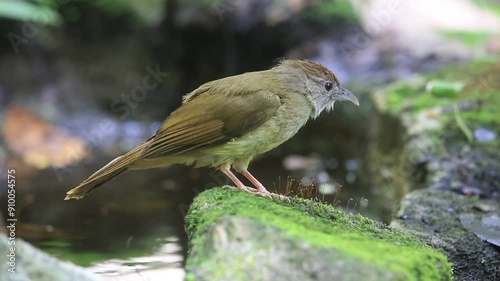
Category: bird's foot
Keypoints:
(243, 188)
(280, 197)
(255, 191)
(272, 195)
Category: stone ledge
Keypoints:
(239, 236)
(33, 264)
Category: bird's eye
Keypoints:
(328, 85)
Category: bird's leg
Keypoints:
(260, 187)
(239, 184)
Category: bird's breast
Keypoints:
(284, 124)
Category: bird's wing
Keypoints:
(210, 119)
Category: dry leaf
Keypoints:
(39, 143)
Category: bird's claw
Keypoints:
(244, 188)
(280, 197)
(255, 191)
(271, 195)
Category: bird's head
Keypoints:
(321, 86)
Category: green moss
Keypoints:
(142, 246)
(469, 38)
(490, 5)
(322, 11)
(478, 78)
(478, 98)
(325, 11)
(189, 277)
(323, 227)
(438, 146)
(39, 12)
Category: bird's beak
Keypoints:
(346, 95)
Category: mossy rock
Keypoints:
(451, 102)
(238, 236)
(432, 117)
(439, 132)
(457, 224)
(432, 126)
(22, 262)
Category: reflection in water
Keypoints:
(166, 263)
(131, 230)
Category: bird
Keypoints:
(226, 122)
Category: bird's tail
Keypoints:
(114, 168)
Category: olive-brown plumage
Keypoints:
(224, 123)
